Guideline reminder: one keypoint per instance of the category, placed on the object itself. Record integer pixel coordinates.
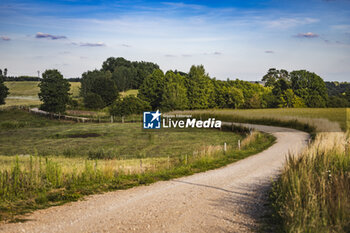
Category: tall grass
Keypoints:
(37, 182)
(313, 191)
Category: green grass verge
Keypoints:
(41, 182)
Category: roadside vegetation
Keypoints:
(312, 194)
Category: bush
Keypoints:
(128, 106)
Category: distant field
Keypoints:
(75, 89)
(129, 92)
(24, 88)
(339, 115)
(30, 88)
(26, 93)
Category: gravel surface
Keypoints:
(229, 199)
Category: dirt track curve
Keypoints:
(228, 199)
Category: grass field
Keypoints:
(82, 159)
(321, 118)
(100, 140)
(25, 93)
(129, 92)
(23, 88)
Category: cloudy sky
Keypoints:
(232, 39)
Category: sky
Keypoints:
(232, 39)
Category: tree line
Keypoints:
(175, 90)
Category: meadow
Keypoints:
(48, 162)
(25, 93)
(40, 135)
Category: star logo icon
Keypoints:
(156, 115)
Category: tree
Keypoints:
(227, 96)
(338, 102)
(174, 93)
(129, 105)
(127, 74)
(310, 87)
(94, 101)
(4, 91)
(123, 77)
(273, 75)
(54, 92)
(290, 100)
(234, 97)
(200, 89)
(279, 81)
(152, 87)
(99, 83)
(254, 101)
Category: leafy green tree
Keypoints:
(127, 74)
(4, 91)
(252, 92)
(347, 95)
(337, 102)
(112, 63)
(174, 93)
(129, 105)
(227, 96)
(54, 92)
(279, 81)
(152, 88)
(255, 101)
(143, 69)
(310, 87)
(200, 89)
(269, 99)
(94, 101)
(99, 83)
(273, 75)
(123, 77)
(290, 100)
(235, 98)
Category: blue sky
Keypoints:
(232, 39)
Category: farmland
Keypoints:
(25, 93)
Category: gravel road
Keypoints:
(228, 199)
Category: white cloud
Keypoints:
(286, 23)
